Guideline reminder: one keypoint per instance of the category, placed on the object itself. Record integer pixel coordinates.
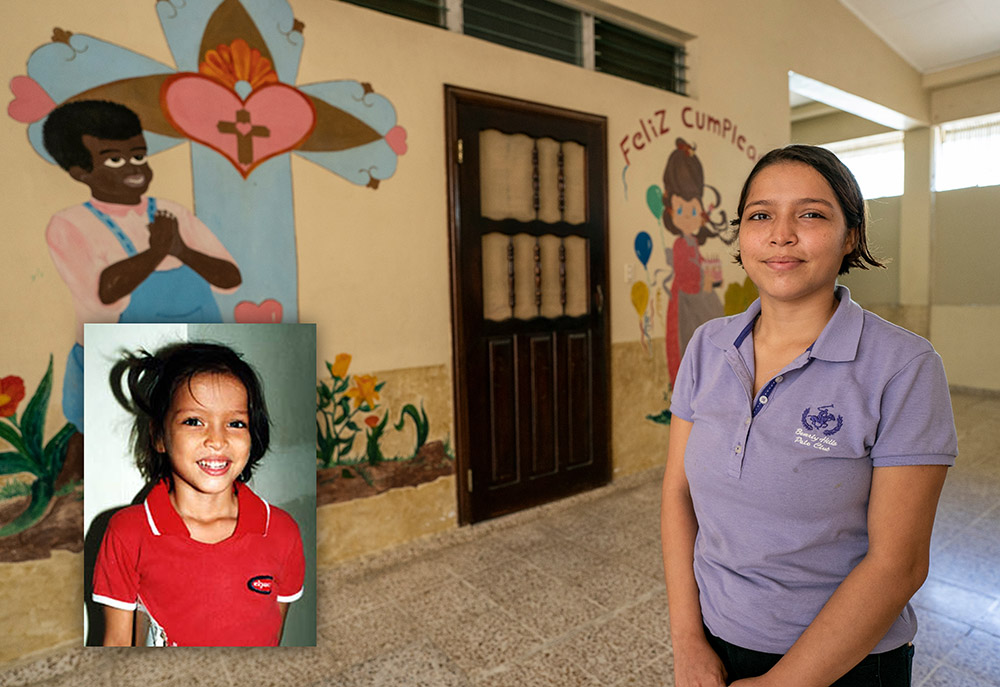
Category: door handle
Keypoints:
(600, 300)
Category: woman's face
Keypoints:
(686, 214)
(206, 433)
(793, 236)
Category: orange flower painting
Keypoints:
(230, 64)
(364, 391)
(11, 393)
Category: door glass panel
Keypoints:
(527, 179)
(547, 278)
(552, 282)
(505, 176)
(575, 176)
(577, 278)
(524, 277)
(496, 292)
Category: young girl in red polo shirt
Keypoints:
(207, 561)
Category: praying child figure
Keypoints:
(125, 256)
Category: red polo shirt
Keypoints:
(222, 594)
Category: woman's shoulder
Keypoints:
(892, 340)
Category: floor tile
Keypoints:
(610, 650)
(552, 667)
(978, 653)
(548, 606)
(937, 635)
(948, 676)
(952, 601)
(420, 664)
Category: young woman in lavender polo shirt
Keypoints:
(809, 444)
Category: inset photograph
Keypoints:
(200, 497)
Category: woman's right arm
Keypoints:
(695, 663)
(117, 626)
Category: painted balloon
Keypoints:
(643, 247)
(640, 297)
(654, 199)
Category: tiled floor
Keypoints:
(568, 594)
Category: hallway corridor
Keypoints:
(570, 594)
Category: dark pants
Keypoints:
(888, 669)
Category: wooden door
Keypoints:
(527, 186)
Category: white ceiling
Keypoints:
(934, 34)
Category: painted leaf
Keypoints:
(41, 495)
(55, 450)
(33, 420)
(11, 463)
(10, 435)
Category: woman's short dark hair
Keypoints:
(153, 378)
(845, 188)
(66, 125)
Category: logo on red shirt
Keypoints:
(262, 584)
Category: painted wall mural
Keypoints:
(99, 110)
(688, 221)
(352, 427)
(692, 234)
(54, 490)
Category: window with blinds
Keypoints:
(424, 11)
(638, 57)
(556, 31)
(876, 162)
(967, 153)
(535, 26)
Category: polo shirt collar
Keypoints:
(838, 342)
(254, 516)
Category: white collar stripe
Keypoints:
(149, 518)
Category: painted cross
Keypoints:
(231, 56)
(244, 131)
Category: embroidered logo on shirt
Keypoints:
(262, 584)
(822, 426)
(822, 420)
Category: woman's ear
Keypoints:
(851, 241)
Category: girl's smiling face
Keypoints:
(793, 235)
(206, 433)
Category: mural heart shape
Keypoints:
(274, 119)
(31, 102)
(268, 312)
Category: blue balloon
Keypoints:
(643, 247)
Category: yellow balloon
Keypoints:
(640, 297)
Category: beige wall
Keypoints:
(374, 265)
(966, 246)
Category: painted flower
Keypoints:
(230, 64)
(11, 393)
(364, 391)
(340, 365)
(372, 421)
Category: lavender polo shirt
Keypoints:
(780, 482)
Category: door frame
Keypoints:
(456, 96)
